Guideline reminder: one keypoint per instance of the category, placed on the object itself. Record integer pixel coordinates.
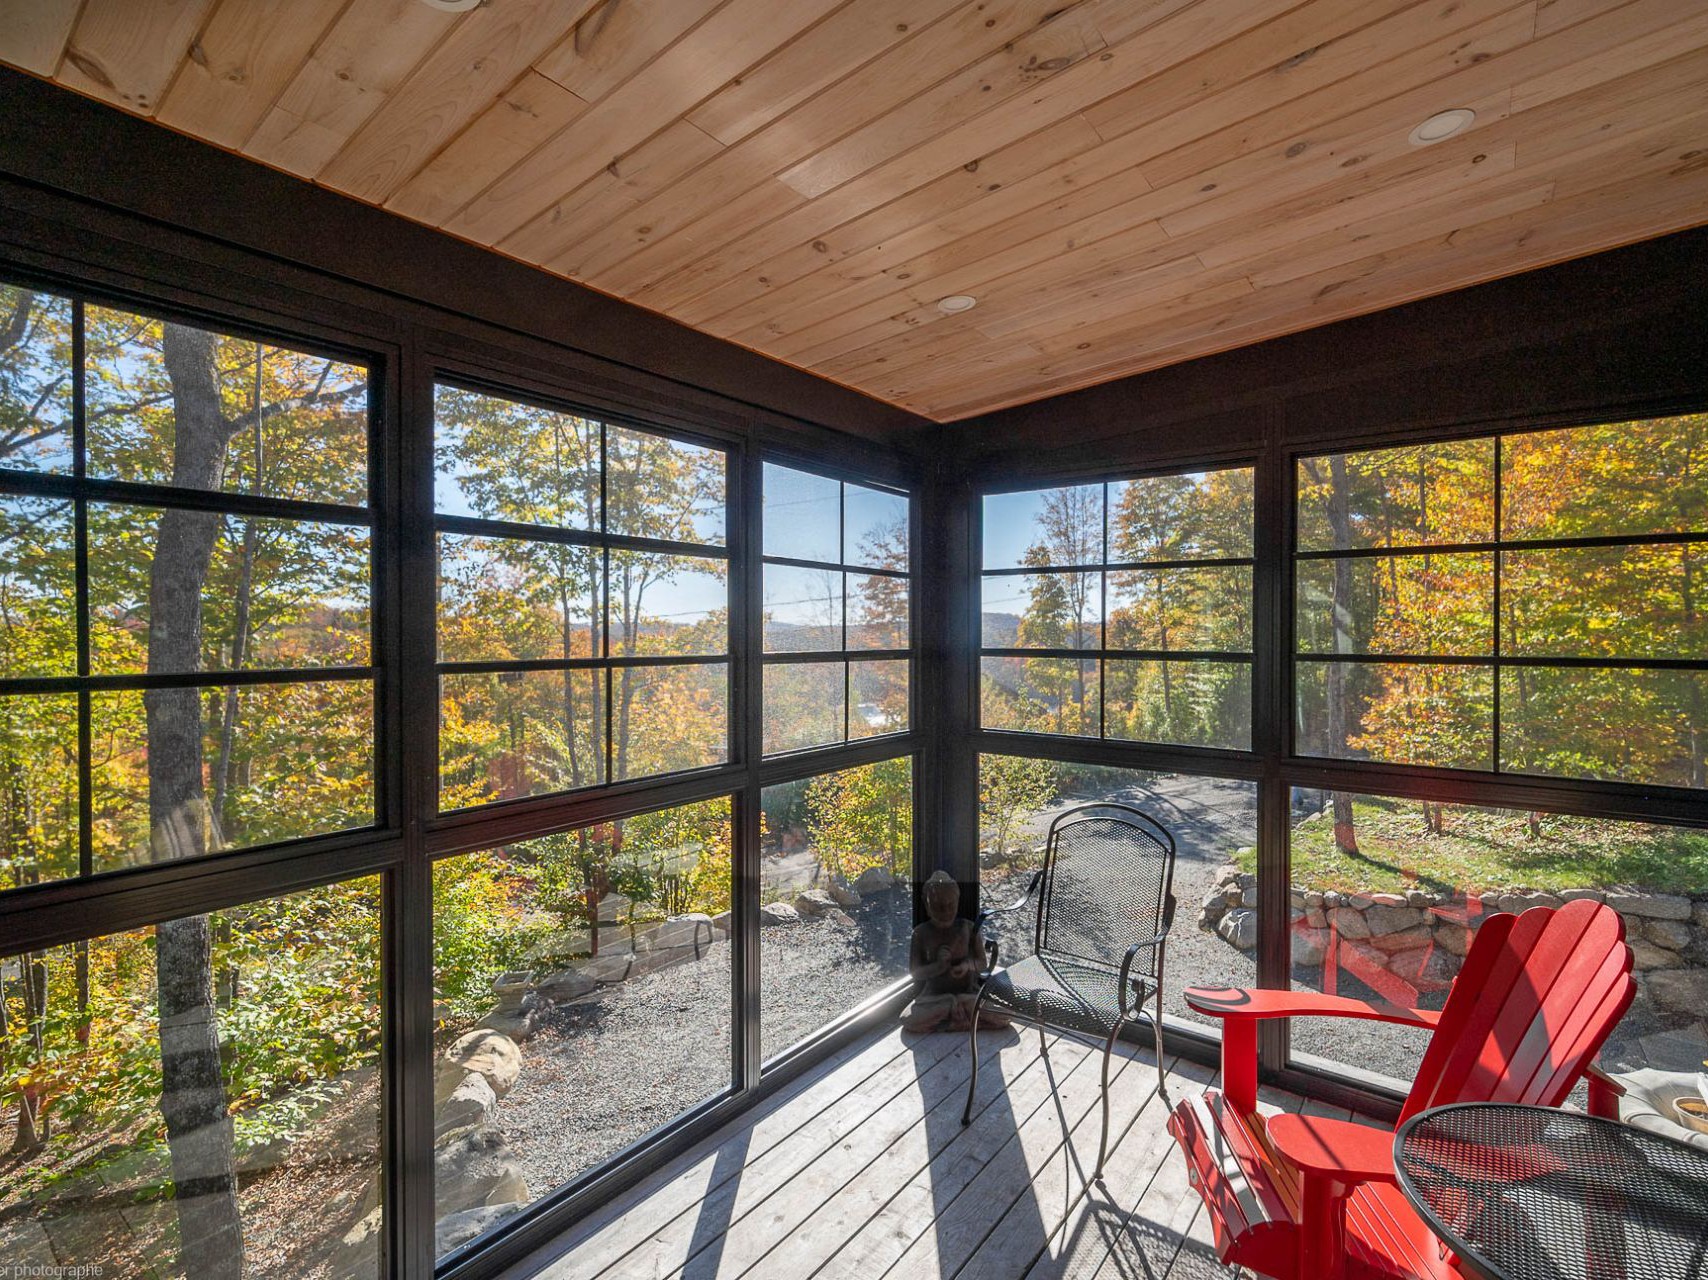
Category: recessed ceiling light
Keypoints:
(1442, 125)
(956, 302)
(453, 6)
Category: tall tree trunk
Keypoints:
(192, 1097)
(241, 623)
(1340, 610)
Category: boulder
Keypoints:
(1248, 898)
(1296, 899)
(608, 966)
(1647, 956)
(1226, 874)
(1390, 918)
(1239, 927)
(1247, 880)
(1579, 895)
(1348, 922)
(874, 880)
(1452, 938)
(491, 1053)
(1358, 901)
(1331, 899)
(840, 918)
(1419, 898)
(845, 896)
(614, 907)
(1215, 907)
(357, 1256)
(814, 902)
(1316, 917)
(1396, 941)
(1426, 968)
(1651, 906)
(1309, 946)
(1313, 899)
(471, 1103)
(1674, 935)
(1233, 895)
(1519, 903)
(723, 922)
(1389, 899)
(773, 913)
(565, 985)
(1680, 991)
(453, 1230)
(1699, 916)
(518, 1024)
(476, 1168)
(692, 931)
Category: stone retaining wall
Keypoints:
(1420, 937)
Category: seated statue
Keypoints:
(944, 958)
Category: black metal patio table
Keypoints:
(1536, 1193)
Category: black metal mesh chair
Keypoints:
(1105, 906)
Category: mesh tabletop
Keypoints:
(1534, 1193)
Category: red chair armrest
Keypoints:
(1338, 1149)
(1243, 1003)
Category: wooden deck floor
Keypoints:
(862, 1170)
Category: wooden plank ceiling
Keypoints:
(1121, 184)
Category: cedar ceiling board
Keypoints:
(1262, 194)
(969, 31)
(60, 141)
(36, 32)
(1599, 134)
(242, 59)
(804, 179)
(354, 69)
(126, 53)
(1622, 325)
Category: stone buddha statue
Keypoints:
(945, 957)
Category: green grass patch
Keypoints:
(1484, 849)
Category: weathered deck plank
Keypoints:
(862, 1170)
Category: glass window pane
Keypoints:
(1192, 516)
(504, 735)
(182, 772)
(804, 705)
(38, 805)
(38, 588)
(825, 836)
(877, 611)
(879, 693)
(1428, 605)
(1400, 713)
(1180, 610)
(1386, 894)
(1214, 825)
(1044, 527)
(803, 515)
(666, 719)
(276, 593)
(876, 533)
(1604, 602)
(1193, 704)
(501, 459)
(35, 380)
(662, 488)
(803, 609)
(169, 403)
(1040, 695)
(597, 964)
(1619, 478)
(668, 604)
(1042, 611)
(277, 1003)
(508, 598)
(1415, 495)
(1625, 725)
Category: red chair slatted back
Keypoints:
(1535, 999)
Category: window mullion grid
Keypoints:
(80, 517)
(1103, 625)
(1494, 618)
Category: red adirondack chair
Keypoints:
(1305, 1198)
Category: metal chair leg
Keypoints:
(1161, 1071)
(1103, 1142)
(973, 1042)
(1038, 1020)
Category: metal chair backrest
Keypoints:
(1535, 999)
(1108, 883)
